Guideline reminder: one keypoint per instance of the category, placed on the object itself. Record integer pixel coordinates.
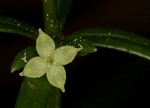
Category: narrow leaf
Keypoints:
(9, 25)
(63, 8)
(22, 58)
(117, 39)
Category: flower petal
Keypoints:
(65, 54)
(45, 45)
(56, 76)
(35, 68)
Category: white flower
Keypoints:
(50, 61)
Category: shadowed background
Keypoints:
(106, 79)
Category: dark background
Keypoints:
(107, 79)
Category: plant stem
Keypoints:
(51, 24)
(38, 93)
(51, 27)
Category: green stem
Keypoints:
(51, 27)
(38, 93)
(51, 24)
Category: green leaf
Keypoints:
(63, 7)
(22, 58)
(117, 39)
(38, 93)
(79, 42)
(9, 25)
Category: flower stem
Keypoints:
(51, 24)
(51, 27)
(38, 93)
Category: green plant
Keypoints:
(55, 12)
